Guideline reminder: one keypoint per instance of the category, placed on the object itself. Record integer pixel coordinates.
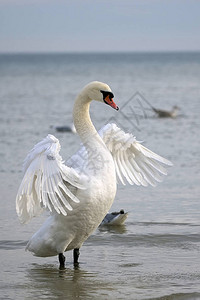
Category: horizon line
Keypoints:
(98, 52)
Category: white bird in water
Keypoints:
(80, 193)
(161, 113)
(66, 128)
(115, 218)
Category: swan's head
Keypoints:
(100, 91)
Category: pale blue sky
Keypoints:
(99, 25)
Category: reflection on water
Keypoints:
(75, 282)
(48, 282)
(113, 229)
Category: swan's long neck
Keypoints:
(83, 123)
(98, 161)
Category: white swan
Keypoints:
(80, 193)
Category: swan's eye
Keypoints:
(107, 94)
(107, 98)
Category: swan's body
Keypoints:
(80, 193)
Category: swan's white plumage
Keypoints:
(43, 185)
(133, 162)
(79, 193)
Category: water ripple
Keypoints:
(11, 244)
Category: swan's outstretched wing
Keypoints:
(47, 182)
(133, 162)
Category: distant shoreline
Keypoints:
(103, 52)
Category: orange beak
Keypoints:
(110, 102)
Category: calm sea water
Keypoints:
(155, 255)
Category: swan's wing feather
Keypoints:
(47, 182)
(133, 162)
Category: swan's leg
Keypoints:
(76, 255)
(61, 258)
